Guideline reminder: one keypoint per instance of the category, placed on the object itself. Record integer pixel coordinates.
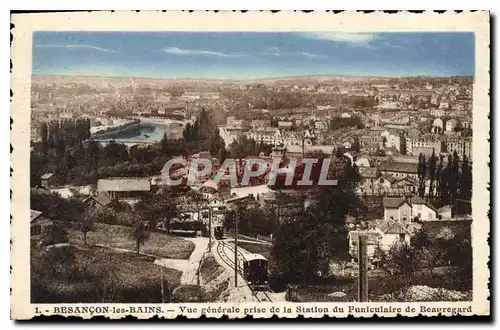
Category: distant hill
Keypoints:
(127, 81)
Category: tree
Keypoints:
(454, 176)
(87, 224)
(44, 131)
(319, 232)
(216, 142)
(431, 167)
(140, 233)
(222, 155)
(164, 142)
(92, 156)
(444, 174)
(155, 210)
(55, 235)
(400, 260)
(466, 179)
(422, 171)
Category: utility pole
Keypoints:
(236, 247)
(363, 269)
(209, 229)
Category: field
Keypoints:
(98, 275)
(158, 244)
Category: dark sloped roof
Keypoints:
(393, 202)
(389, 178)
(398, 167)
(418, 200)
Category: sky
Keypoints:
(237, 55)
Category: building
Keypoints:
(404, 187)
(399, 169)
(372, 242)
(392, 232)
(371, 149)
(422, 210)
(451, 124)
(118, 188)
(233, 123)
(370, 139)
(48, 180)
(437, 125)
(392, 140)
(39, 225)
(287, 124)
(463, 146)
(397, 210)
(423, 144)
(101, 199)
(209, 189)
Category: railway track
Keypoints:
(261, 296)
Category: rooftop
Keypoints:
(124, 184)
(392, 227)
(393, 202)
(34, 214)
(398, 167)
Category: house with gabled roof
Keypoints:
(423, 210)
(39, 225)
(397, 209)
(392, 232)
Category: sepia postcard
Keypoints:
(218, 164)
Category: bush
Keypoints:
(189, 293)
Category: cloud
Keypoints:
(275, 51)
(310, 55)
(356, 38)
(82, 46)
(180, 51)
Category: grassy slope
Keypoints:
(101, 275)
(158, 244)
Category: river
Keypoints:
(146, 131)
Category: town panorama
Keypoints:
(390, 114)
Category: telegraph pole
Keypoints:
(363, 269)
(209, 229)
(236, 247)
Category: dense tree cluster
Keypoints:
(426, 253)
(447, 181)
(245, 147)
(204, 132)
(252, 221)
(339, 122)
(319, 232)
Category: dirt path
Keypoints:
(188, 267)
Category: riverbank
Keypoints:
(109, 131)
